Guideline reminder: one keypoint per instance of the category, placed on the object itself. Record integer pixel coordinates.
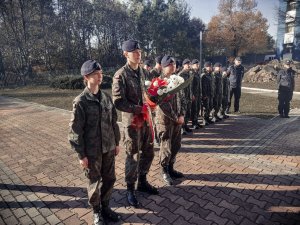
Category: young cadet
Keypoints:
(128, 90)
(207, 92)
(225, 93)
(217, 99)
(94, 135)
(156, 71)
(170, 117)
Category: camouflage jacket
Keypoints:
(185, 74)
(169, 111)
(207, 84)
(127, 91)
(93, 126)
(196, 85)
(226, 86)
(217, 84)
(154, 73)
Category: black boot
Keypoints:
(173, 173)
(144, 186)
(131, 198)
(109, 214)
(97, 216)
(166, 176)
(187, 129)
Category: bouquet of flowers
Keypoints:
(161, 90)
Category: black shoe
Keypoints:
(218, 118)
(183, 132)
(109, 214)
(196, 127)
(166, 176)
(199, 125)
(210, 121)
(131, 197)
(225, 116)
(144, 186)
(187, 129)
(286, 116)
(98, 219)
(173, 173)
(281, 116)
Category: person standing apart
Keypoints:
(286, 86)
(236, 75)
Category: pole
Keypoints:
(200, 50)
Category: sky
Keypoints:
(205, 9)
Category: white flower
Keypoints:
(155, 84)
(147, 83)
(160, 91)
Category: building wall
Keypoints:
(288, 31)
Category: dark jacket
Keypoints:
(236, 75)
(196, 85)
(225, 86)
(185, 74)
(206, 80)
(285, 79)
(217, 84)
(93, 126)
(127, 91)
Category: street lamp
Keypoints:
(201, 49)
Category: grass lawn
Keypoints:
(271, 85)
(252, 105)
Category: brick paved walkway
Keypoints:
(241, 171)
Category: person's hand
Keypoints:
(193, 98)
(180, 120)
(84, 162)
(117, 150)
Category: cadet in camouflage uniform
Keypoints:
(170, 117)
(156, 71)
(185, 73)
(225, 93)
(217, 100)
(94, 134)
(197, 94)
(207, 91)
(127, 90)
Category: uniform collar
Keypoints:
(90, 96)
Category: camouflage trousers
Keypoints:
(170, 143)
(217, 102)
(196, 105)
(139, 152)
(206, 104)
(101, 177)
(224, 105)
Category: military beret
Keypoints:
(130, 45)
(186, 61)
(147, 62)
(195, 61)
(158, 59)
(166, 60)
(89, 67)
(207, 63)
(287, 61)
(238, 59)
(217, 64)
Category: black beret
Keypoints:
(186, 61)
(147, 62)
(238, 59)
(195, 61)
(89, 67)
(158, 59)
(207, 63)
(130, 45)
(166, 60)
(218, 64)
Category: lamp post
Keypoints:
(201, 31)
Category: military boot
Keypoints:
(109, 214)
(131, 197)
(173, 173)
(97, 216)
(144, 186)
(166, 176)
(187, 129)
